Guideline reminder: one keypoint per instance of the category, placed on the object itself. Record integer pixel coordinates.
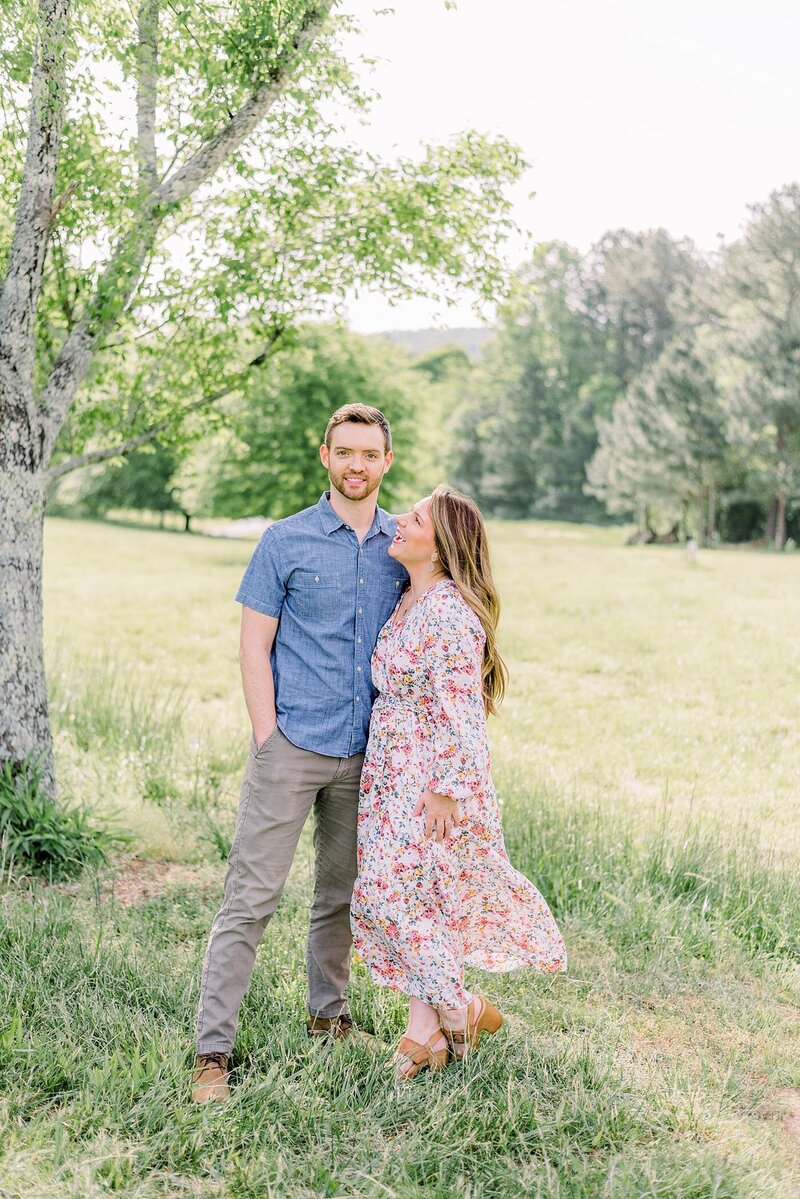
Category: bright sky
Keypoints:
(674, 113)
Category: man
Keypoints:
(314, 597)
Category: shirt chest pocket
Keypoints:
(316, 594)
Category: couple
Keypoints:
(347, 614)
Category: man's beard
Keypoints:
(337, 481)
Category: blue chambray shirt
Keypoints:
(332, 596)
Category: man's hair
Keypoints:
(359, 414)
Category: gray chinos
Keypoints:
(281, 785)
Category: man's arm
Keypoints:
(255, 642)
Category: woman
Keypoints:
(435, 888)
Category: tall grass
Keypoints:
(122, 720)
(692, 880)
(95, 1044)
(106, 706)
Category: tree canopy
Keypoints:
(176, 197)
(265, 461)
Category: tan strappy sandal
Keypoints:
(485, 1019)
(410, 1058)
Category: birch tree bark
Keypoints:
(25, 727)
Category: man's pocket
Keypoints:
(259, 749)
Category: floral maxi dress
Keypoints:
(422, 910)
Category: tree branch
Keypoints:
(113, 451)
(146, 94)
(19, 418)
(62, 201)
(218, 149)
(133, 443)
(120, 278)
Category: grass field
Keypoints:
(648, 761)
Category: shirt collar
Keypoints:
(330, 520)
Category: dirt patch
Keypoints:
(784, 1105)
(789, 1100)
(135, 880)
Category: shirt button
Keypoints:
(358, 668)
(316, 578)
(361, 582)
(359, 640)
(360, 610)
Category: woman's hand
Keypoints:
(441, 815)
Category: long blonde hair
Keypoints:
(463, 549)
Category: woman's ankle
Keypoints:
(423, 1022)
(422, 1032)
(455, 1019)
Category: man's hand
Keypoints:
(261, 737)
(441, 815)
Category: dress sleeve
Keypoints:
(453, 649)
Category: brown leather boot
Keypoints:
(336, 1028)
(210, 1078)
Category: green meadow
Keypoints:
(648, 762)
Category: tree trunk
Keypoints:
(782, 464)
(641, 518)
(702, 510)
(772, 520)
(711, 521)
(780, 520)
(24, 722)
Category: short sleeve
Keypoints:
(453, 648)
(263, 587)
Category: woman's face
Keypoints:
(415, 543)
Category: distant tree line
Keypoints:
(641, 381)
(646, 380)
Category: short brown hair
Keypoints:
(359, 414)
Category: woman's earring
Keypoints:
(431, 567)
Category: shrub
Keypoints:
(43, 837)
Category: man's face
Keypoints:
(356, 461)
